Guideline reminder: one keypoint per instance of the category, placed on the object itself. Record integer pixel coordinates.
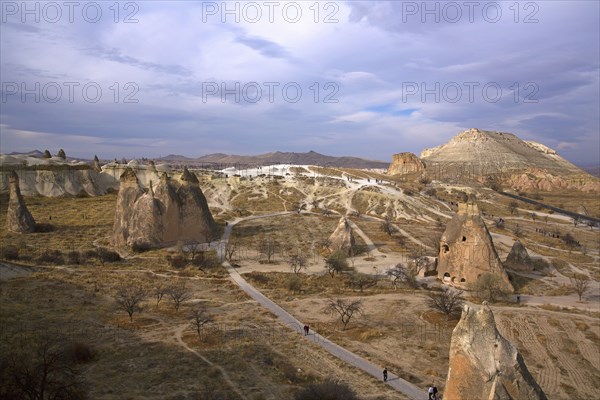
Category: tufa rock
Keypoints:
(484, 365)
(47, 154)
(405, 163)
(342, 238)
(96, 164)
(61, 154)
(518, 258)
(163, 215)
(467, 250)
(18, 217)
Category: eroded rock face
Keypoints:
(405, 163)
(173, 212)
(522, 165)
(342, 239)
(18, 217)
(467, 250)
(518, 258)
(483, 364)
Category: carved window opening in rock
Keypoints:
(464, 238)
(453, 279)
(462, 280)
(445, 249)
(446, 275)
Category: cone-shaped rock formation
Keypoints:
(484, 365)
(467, 250)
(162, 216)
(18, 217)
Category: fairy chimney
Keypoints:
(342, 239)
(485, 365)
(18, 217)
(467, 250)
(164, 215)
(518, 258)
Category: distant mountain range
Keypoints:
(278, 157)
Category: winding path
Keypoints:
(401, 385)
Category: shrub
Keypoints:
(51, 257)
(91, 253)
(294, 284)
(80, 353)
(10, 252)
(328, 390)
(489, 287)
(431, 192)
(106, 255)
(176, 261)
(539, 264)
(75, 257)
(208, 260)
(141, 247)
(44, 227)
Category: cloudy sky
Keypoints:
(369, 79)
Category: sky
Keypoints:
(368, 79)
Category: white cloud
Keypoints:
(371, 54)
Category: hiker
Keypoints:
(306, 329)
(435, 391)
(385, 374)
(430, 393)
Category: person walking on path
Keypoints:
(306, 329)
(385, 374)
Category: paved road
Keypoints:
(405, 387)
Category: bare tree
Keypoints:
(533, 216)
(230, 250)
(449, 302)
(518, 231)
(193, 248)
(39, 369)
(512, 207)
(570, 241)
(159, 291)
(336, 262)
(178, 293)
(580, 283)
(387, 226)
(297, 263)
(346, 309)
(268, 248)
(200, 317)
(361, 281)
(401, 273)
(129, 299)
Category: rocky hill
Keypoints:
(498, 151)
(522, 165)
(405, 163)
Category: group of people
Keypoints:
(431, 392)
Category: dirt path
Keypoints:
(178, 335)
